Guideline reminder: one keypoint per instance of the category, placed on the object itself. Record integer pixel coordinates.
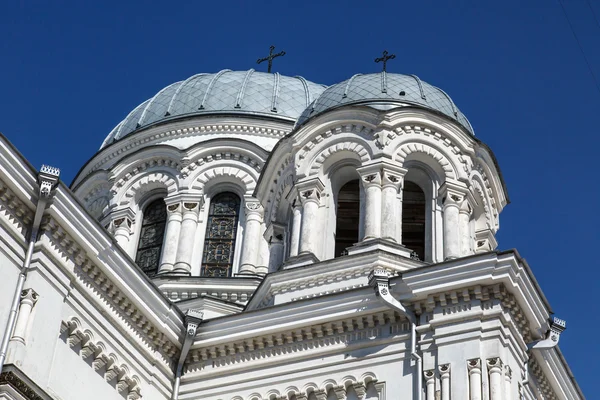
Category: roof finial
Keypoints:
(270, 57)
(385, 59)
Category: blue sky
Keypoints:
(70, 71)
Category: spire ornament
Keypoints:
(270, 58)
(385, 59)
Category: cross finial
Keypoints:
(385, 59)
(270, 57)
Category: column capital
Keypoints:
(429, 375)
(274, 232)
(392, 175)
(29, 296)
(444, 370)
(474, 366)
(453, 193)
(310, 190)
(494, 364)
(370, 175)
(507, 373)
(122, 213)
(253, 207)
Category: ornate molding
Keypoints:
(458, 300)
(136, 169)
(126, 382)
(253, 163)
(232, 172)
(353, 147)
(160, 179)
(346, 332)
(97, 282)
(15, 379)
(408, 148)
(14, 210)
(360, 130)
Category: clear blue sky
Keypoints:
(70, 71)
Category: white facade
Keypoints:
(291, 317)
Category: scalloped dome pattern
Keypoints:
(239, 92)
(385, 86)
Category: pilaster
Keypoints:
(190, 209)
(250, 248)
(172, 232)
(310, 193)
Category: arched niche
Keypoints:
(347, 196)
(422, 184)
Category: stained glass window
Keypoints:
(151, 237)
(221, 229)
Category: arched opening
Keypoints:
(151, 237)
(413, 218)
(221, 230)
(347, 217)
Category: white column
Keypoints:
(371, 180)
(452, 198)
(495, 370)
(474, 368)
(122, 227)
(391, 222)
(275, 236)
(171, 240)
(429, 384)
(310, 222)
(445, 380)
(251, 245)
(187, 233)
(465, 233)
(296, 227)
(507, 383)
(28, 298)
(311, 228)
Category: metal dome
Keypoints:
(238, 92)
(384, 86)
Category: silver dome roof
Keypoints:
(238, 92)
(387, 87)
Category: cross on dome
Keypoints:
(385, 59)
(270, 57)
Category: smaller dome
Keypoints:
(225, 92)
(385, 87)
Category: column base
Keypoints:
(386, 245)
(181, 269)
(300, 260)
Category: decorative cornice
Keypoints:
(254, 163)
(101, 358)
(14, 210)
(361, 130)
(200, 129)
(13, 379)
(451, 299)
(92, 276)
(349, 331)
(339, 389)
(540, 377)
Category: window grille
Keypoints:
(221, 230)
(151, 237)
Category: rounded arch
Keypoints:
(368, 377)
(486, 207)
(146, 184)
(272, 394)
(336, 151)
(427, 154)
(348, 380)
(234, 175)
(328, 384)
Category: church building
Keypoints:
(246, 235)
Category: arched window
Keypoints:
(221, 230)
(347, 217)
(151, 237)
(413, 218)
